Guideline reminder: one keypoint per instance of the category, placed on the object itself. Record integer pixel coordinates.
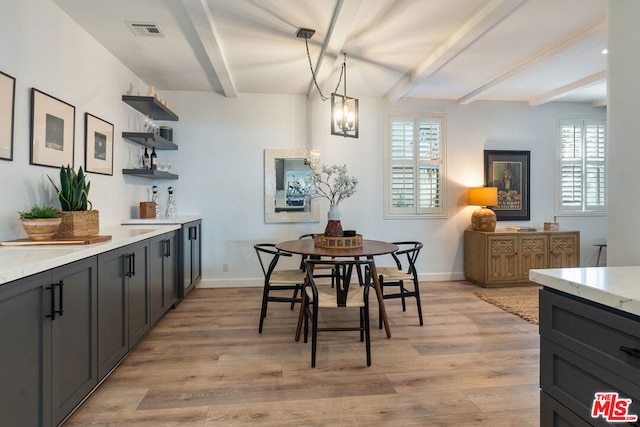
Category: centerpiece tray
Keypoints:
(63, 240)
(322, 241)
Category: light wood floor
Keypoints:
(205, 364)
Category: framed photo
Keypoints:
(7, 111)
(52, 130)
(98, 145)
(509, 172)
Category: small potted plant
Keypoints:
(41, 222)
(78, 219)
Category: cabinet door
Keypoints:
(138, 292)
(162, 274)
(502, 264)
(564, 250)
(170, 270)
(196, 253)
(25, 356)
(532, 253)
(74, 336)
(112, 308)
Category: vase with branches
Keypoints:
(333, 184)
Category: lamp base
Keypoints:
(483, 219)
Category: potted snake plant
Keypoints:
(79, 219)
(41, 222)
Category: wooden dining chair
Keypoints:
(402, 274)
(342, 295)
(277, 280)
(320, 270)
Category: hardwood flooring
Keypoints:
(204, 365)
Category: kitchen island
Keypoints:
(589, 344)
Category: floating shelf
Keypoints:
(150, 140)
(150, 106)
(149, 173)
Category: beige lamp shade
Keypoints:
(483, 196)
(483, 218)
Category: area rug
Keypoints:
(521, 301)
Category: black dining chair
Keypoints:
(320, 270)
(402, 274)
(277, 280)
(342, 295)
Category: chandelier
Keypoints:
(344, 109)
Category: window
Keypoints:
(414, 166)
(582, 156)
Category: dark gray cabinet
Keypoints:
(190, 271)
(49, 343)
(585, 348)
(163, 274)
(123, 302)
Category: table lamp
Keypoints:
(483, 218)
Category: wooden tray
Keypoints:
(322, 241)
(66, 240)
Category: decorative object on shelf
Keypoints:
(509, 172)
(166, 132)
(483, 218)
(148, 210)
(7, 110)
(333, 183)
(41, 222)
(151, 91)
(78, 218)
(154, 199)
(52, 130)
(154, 159)
(145, 159)
(98, 145)
(344, 110)
(171, 204)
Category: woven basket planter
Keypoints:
(79, 223)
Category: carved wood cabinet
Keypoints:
(505, 258)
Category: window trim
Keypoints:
(581, 212)
(437, 213)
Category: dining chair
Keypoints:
(277, 280)
(342, 295)
(404, 272)
(320, 270)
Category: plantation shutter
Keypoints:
(582, 165)
(415, 146)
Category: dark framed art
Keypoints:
(7, 111)
(509, 172)
(52, 130)
(98, 145)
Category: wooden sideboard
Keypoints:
(505, 258)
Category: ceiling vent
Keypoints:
(145, 29)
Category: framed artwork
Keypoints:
(52, 130)
(98, 145)
(7, 111)
(509, 172)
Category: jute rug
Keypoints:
(521, 301)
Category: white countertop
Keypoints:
(17, 262)
(162, 220)
(617, 287)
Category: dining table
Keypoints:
(369, 249)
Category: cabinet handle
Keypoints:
(133, 264)
(630, 351)
(61, 285)
(130, 268)
(167, 252)
(52, 291)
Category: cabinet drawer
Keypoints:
(554, 414)
(573, 380)
(593, 331)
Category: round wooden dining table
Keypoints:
(369, 249)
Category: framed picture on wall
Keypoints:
(509, 172)
(52, 130)
(7, 111)
(98, 145)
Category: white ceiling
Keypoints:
(512, 50)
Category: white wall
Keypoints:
(220, 159)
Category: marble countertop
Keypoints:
(180, 219)
(17, 262)
(616, 287)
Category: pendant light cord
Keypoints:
(313, 74)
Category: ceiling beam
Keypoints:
(489, 16)
(342, 19)
(563, 90)
(557, 48)
(202, 21)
